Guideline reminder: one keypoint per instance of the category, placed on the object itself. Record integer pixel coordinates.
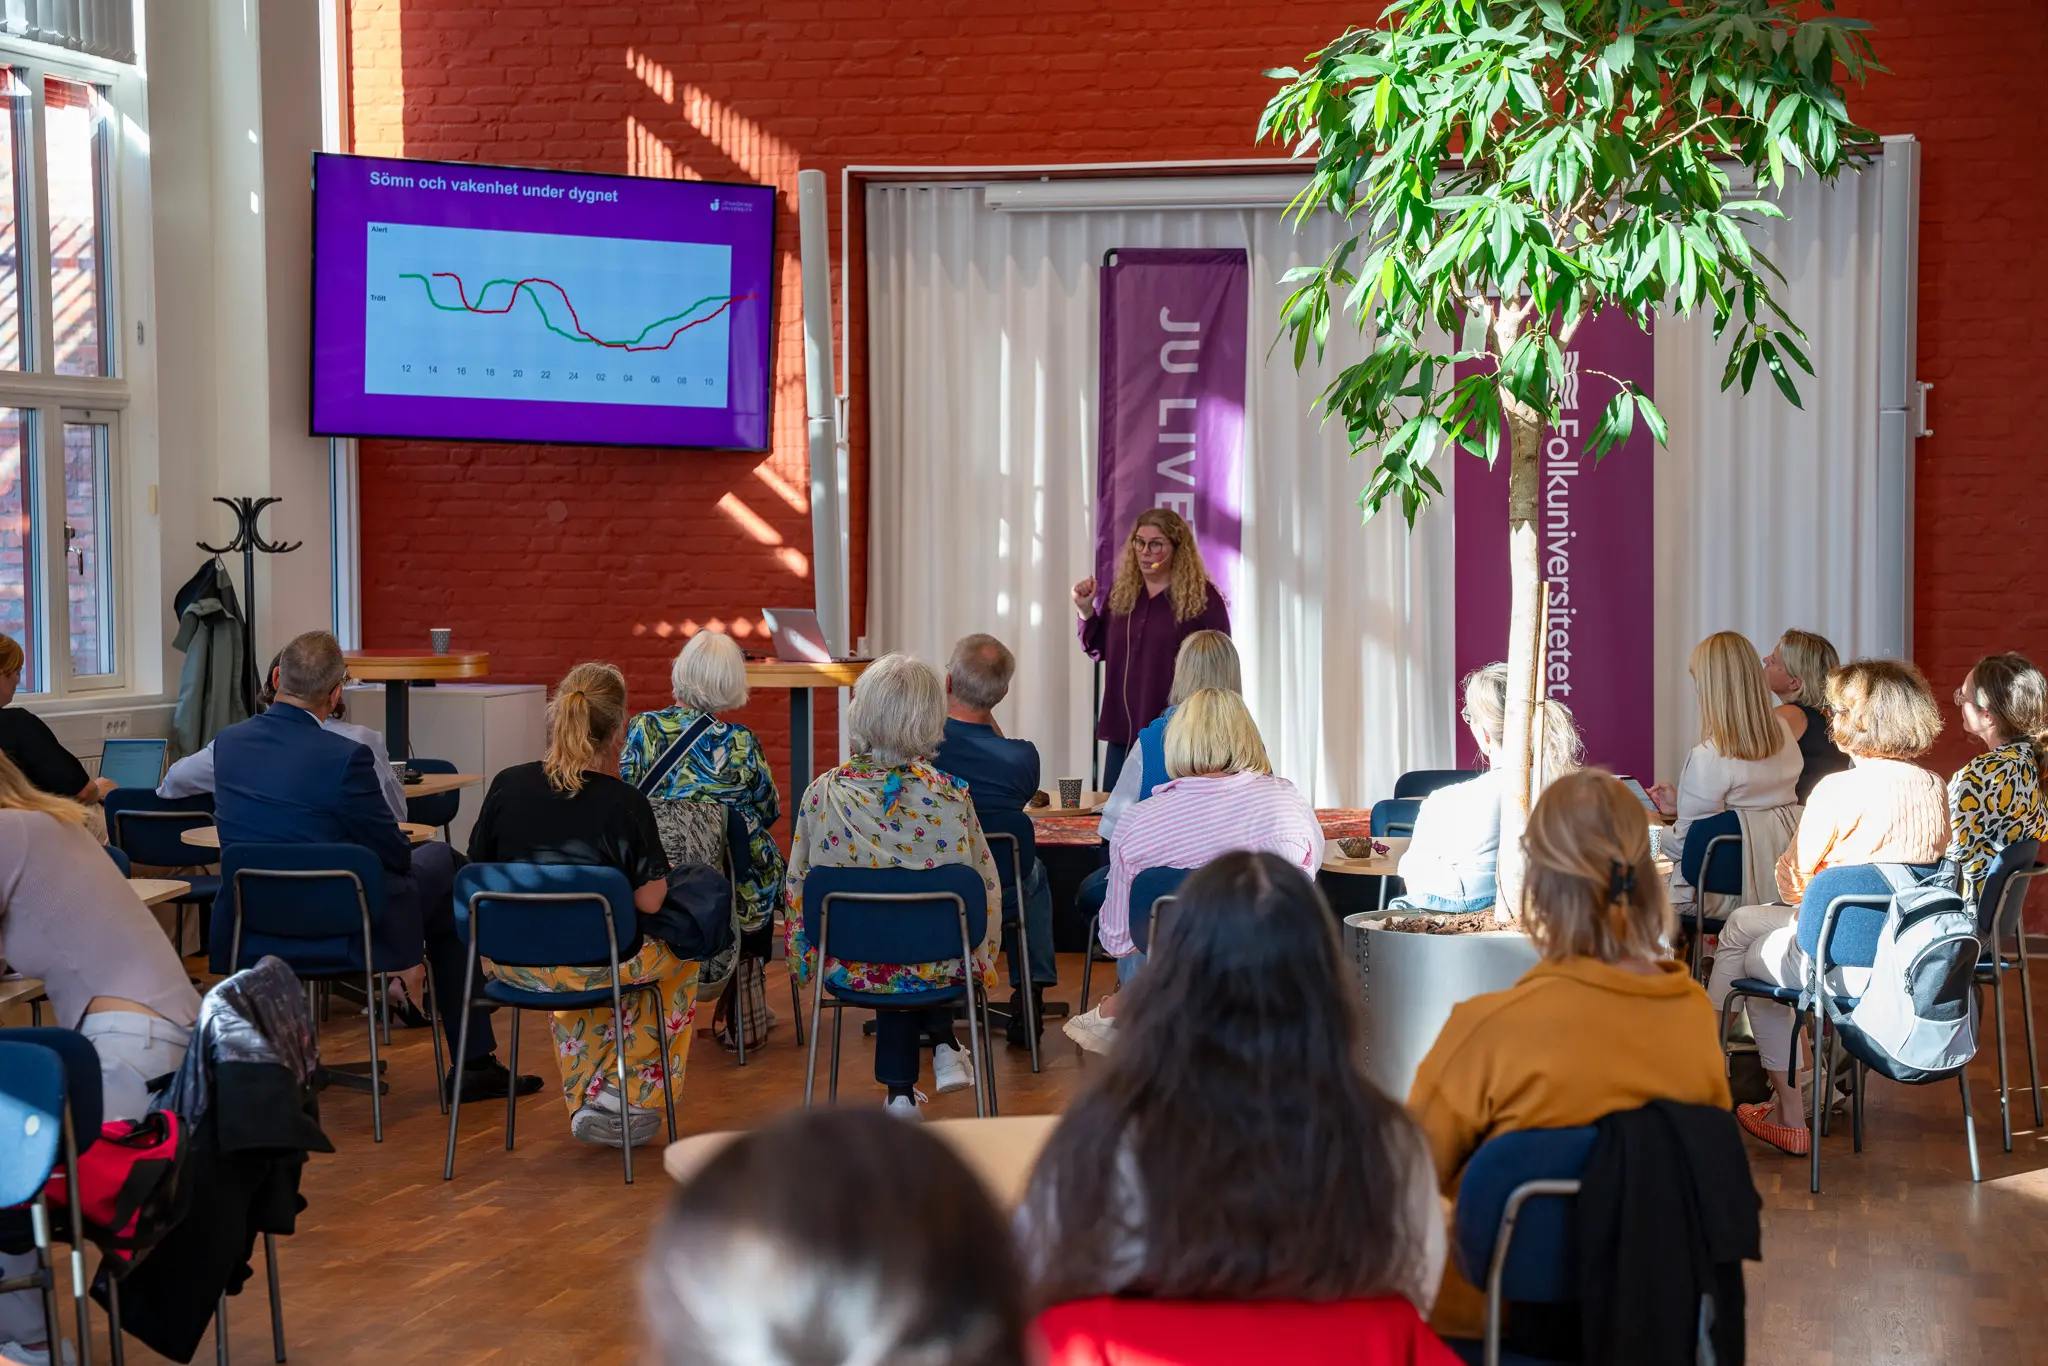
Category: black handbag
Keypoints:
(695, 918)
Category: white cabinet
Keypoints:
(478, 727)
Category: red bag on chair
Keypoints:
(129, 1185)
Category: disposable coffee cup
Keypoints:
(441, 635)
(1070, 793)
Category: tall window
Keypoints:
(62, 394)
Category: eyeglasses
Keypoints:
(1152, 545)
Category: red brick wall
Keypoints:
(637, 549)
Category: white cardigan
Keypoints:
(1711, 783)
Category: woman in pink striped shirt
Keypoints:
(1223, 797)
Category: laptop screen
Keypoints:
(133, 763)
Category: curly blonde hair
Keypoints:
(1189, 587)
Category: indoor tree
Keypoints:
(1512, 167)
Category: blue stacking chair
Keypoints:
(891, 916)
(120, 860)
(149, 829)
(1418, 783)
(1395, 816)
(1013, 841)
(1515, 1230)
(545, 916)
(1999, 908)
(1152, 892)
(1712, 862)
(1143, 896)
(38, 1127)
(317, 907)
(439, 810)
(1840, 917)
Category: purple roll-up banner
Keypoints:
(1174, 346)
(1595, 545)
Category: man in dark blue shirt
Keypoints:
(1001, 776)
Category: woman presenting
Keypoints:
(1162, 595)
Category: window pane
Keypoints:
(88, 547)
(17, 539)
(75, 124)
(13, 306)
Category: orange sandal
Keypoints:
(1796, 1140)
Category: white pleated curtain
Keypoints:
(982, 334)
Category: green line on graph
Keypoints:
(526, 286)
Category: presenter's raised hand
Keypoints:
(1084, 598)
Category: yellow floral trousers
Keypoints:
(586, 1044)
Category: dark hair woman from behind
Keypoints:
(834, 1238)
(1233, 1151)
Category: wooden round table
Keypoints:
(398, 670)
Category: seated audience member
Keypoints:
(771, 1254)
(1797, 670)
(1454, 851)
(1883, 809)
(1001, 775)
(1995, 799)
(1207, 659)
(33, 747)
(1232, 1187)
(192, 775)
(1604, 1022)
(1746, 760)
(280, 779)
(888, 807)
(69, 917)
(722, 764)
(1221, 796)
(571, 807)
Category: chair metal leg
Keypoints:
(1030, 988)
(1818, 1097)
(619, 1064)
(668, 1080)
(46, 1276)
(376, 1072)
(988, 1050)
(838, 1028)
(2027, 1008)
(461, 1052)
(796, 1009)
(811, 1061)
(512, 1091)
(1998, 1009)
(116, 1350)
(276, 1297)
(1824, 1083)
(220, 1331)
(1088, 963)
(382, 1004)
(1969, 1122)
(975, 1037)
(434, 1028)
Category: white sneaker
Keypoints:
(595, 1124)
(952, 1070)
(904, 1107)
(34, 1356)
(1094, 1031)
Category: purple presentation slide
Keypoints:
(489, 303)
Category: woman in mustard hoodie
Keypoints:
(1606, 1021)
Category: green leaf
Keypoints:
(1617, 55)
(1617, 421)
(1653, 419)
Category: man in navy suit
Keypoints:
(281, 779)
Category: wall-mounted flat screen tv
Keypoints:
(491, 303)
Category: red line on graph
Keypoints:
(462, 292)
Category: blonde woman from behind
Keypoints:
(1747, 758)
(571, 807)
(1605, 1021)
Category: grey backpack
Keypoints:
(1917, 1020)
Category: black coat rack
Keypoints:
(249, 541)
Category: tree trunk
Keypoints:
(1516, 761)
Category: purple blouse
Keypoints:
(1140, 650)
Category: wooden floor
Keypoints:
(529, 1256)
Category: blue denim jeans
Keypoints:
(1127, 967)
(1038, 924)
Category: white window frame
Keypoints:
(122, 399)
